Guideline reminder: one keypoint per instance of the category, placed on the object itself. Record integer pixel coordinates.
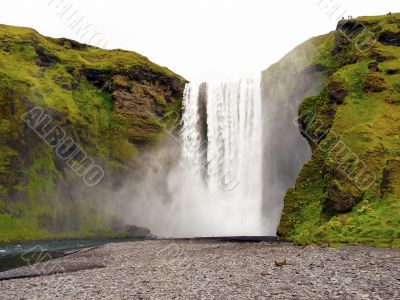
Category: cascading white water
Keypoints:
(210, 183)
(221, 146)
(229, 171)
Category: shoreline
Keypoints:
(11, 254)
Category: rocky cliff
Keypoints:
(349, 191)
(111, 105)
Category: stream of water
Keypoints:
(221, 144)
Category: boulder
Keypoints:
(343, 196)
(280, 262)
(137, 231)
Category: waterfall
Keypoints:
(221, 146)
(234, 160)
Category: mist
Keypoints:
(207, 180)
(224, 171)
(285, 151)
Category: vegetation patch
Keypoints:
(80, 87)
(348, 193)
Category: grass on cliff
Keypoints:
(368, 123)
(47, 72)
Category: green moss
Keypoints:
(79, 86)
(359, 108)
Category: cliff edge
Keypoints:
(349, 191)
(109, 104)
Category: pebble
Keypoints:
(280, 262)
(184, 269)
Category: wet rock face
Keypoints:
(389, 38)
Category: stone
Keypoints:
(137, 231)
(280, 262)
(343, 196)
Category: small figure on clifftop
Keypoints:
(389, 13)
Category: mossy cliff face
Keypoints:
(349, 191)
(113, 104)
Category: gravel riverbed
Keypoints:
(207, 269)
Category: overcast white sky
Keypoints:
(199, 39)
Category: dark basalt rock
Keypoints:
(139, 94)
(341, 199)
(349, 31)
(343, 192)
(390, 178)
(71, 44)
(341, 42)
(374, 83)
(389, 38)
(137, 231)
(393, 71)
(379, 57)
(337, 90)
(350, 26)
(98, 77)
(373, 66)
(45, 58)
